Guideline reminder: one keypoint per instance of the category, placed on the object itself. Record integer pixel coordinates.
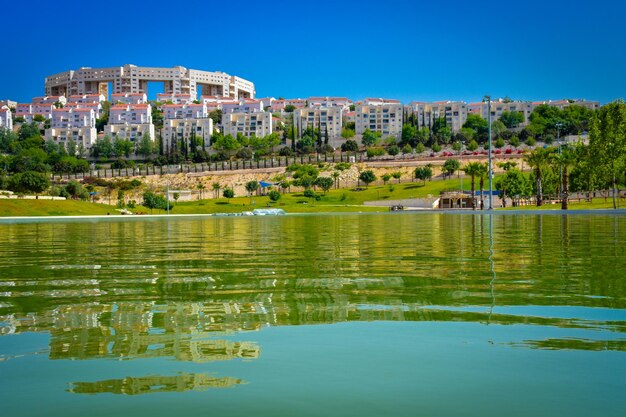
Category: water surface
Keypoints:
(354, 315)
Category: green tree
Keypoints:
(29, 182)
(145, 147)
(564, 161)
(386, 178)
(154, 201)
(451, 166)
(513, 184)
(512, 119)
(274, 195)
(228, 193)
(289, 108)
(370, 138)
(607, 142)
(477, 124)
(347, 133)
(349, 146)
(325, 183)
(423, 173)
(539, 160)
(367, 177)
(397, 175)
(473, 169)
(472, 145)
(216, 189)
(251, 187)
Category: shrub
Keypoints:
(228, 193)
(274, 195)
(393, 150)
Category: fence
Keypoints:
(276, 162)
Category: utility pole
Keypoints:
(490, 162)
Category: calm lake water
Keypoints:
(429, 314)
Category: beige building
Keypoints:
(130, 121)
(76, 124)
(319, 118)
(183, 121)
(379, 115)
(134, 79)
(259, 124)
(454, 113)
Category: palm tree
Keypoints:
(564, 160)
(335, 176)
(201, 188)
(473, 169)
(216, 189)
(539, 159)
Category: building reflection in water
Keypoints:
(154, 383)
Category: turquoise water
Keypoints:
(428, 314)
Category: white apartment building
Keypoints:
(378, 115)
(319, 118)
(500, 106)
(183, 121)
(130, 121)
(77, 124)
(248, 124)
(266, 101)
(175, 98)
(6, 118)
(96, 107)
(184, 111)
(49, 100)
(129, 98)
(326, 102)
(185, 129)
(29, 110)
(133, 79)
(454, 112)
(86, 98)
(243, 106)
(8, 103)
(562, 104)
(280, 104)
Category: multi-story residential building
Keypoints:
(499, 106)
(325, 102)
(76, 124)
(96, 107)
(243, 106)
(129, 98)
(184, 111)
(6, 118)
(379, 115)
(324, 119)
(134, 79)
(50, 100)
(280, 104)
(8, 103)
(454, 113)
(175, 98)
(130, 121)
(86, 98)
(29, 110)
(184, 121)
(248, 124)
(562, 104)
(266, 101)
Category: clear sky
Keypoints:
(409, 50)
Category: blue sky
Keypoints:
(409, 50)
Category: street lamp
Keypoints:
(490, 163)
(558, 140)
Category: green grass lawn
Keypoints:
(19, 207)
(342, 200)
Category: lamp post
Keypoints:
(461, 163)
(558, 140)
(490, 162)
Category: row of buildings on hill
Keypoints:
(75, 101)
